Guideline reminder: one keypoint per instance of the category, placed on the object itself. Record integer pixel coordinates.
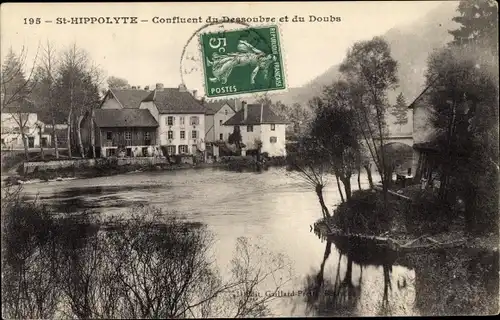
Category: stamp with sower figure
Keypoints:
(242, 61)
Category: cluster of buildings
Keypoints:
(129, 122)
(133, 120)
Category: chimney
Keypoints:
(245, 110)
(159, 87)
(194, 93)
(237, 105)
(261, 112)
(182, 87)
(146, 88)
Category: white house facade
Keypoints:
(11, 137)
(217, 113)
(257, 122)
(181, 119)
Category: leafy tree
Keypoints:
(464, 100)
(400, 111)
(478, 21)
(371, 73)
(117, 83)
(334, 129)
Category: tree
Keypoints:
(311, 164)
(400, 111)
(235, 138)
(15, 91)
(464, 99)
(334, 129)
(117, 83)
(479, 25)
(76, 90)
(371, 72)
(44, 92)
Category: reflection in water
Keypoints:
(445, 283)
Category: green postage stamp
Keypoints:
(242, 61)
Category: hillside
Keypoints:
(410, 46)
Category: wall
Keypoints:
(80, 163)
(209, 127)
(422, 126)
(57, 164)
(177, 128)
(118, 136)
(248, 138)
(277, 149)
(222, 116)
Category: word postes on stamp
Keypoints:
(242, 61)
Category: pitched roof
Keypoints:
(214, 107)
(130, 98)
(171, 100)
(256, 114)
(115, 118)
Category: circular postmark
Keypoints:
(231, 58)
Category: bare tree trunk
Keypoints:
(54, 138)
(340, 188)
(369, 173)
(359, 178)
(319, 193)
(68, 143)
(92, 134)
(347, 187)
(25, 144)
(79, 136)
(42, 155)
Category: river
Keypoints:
(277, 209)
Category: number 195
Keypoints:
(32, 21)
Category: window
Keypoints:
(170, 134)
(183, 149)
(183, 135)
(225, 112)
(250, 128)
(194, 120)
(109, 135)
(147, 136)
(128, 135)
(181, 121)
(171, 150)
(170, 120)
(273, 127)
(220, 122)
(194, 134)
(221, 136)
(273, 139)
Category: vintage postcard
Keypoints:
(249, 159)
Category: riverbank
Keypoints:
(408, 224)
(109, 168)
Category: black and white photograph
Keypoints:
(249, 159)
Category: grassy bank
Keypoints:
(406, 224)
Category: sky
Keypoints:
(147, 53)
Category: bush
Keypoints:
(363, 213)
(428, 214)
